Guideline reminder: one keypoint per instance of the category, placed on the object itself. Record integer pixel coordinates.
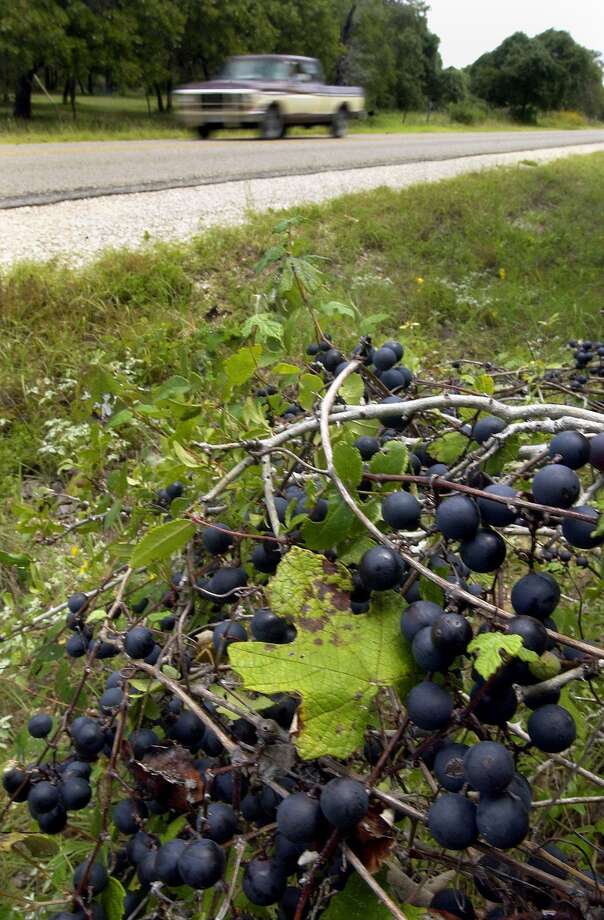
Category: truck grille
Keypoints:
(214, 101)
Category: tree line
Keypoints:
(80, 46)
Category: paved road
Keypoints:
(34, 174)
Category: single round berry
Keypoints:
(489, 767)
(452, 821)
(264, 882)
(77, 602)
(299, 818)
(396, 347)
(90, 878)
(141, 742)
(201, 864)
(40, 725)
(418, 615)
(43, 797)
(457, 518)
(110, 700)
(486, 427)
(552, 729)
(503, 820)
(367, 446)
(220, 822)
(532, 632)
(394, 419)
(571, 447)
(556, 485)
(581, 533)
(485, 552)
(139, 642)
(128, 815)
(496, 513)
(384, 358)
(75, 792)
(188, 730)
(536, 594)
(217, 539)
(16, 783)
(429, 706)
(381, 568)
(266, 626)
(77, 645)
(425, 653)
(401, 510)
(451, 633)
(344, 802)
(449, 766)
(223, 585)
(596, 452)
(453, 902)
(167, 864)
(226, 633)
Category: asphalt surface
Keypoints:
(38, 174)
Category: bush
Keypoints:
(467, 113)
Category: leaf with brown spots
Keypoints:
(171, 777)
(336, 680)
(308, 589)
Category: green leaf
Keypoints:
(546, 666)
(484, 383)
(186, 458)
(113, 899)
(18, 560)
(308, 588)
(352, 389)
(356, 902)
(348, 464)
(506, 453)
(120, 418)
(335, 308)
(488, 648)
(265, 326)
(449, 447)
(431, 591)
(285, 369)
(336, 664)
(171, 388)
(310, 386)
(161, 542)
(273, 254)
(329, 532)
(392, 459)
(242, 365)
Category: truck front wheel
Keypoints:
(273, 126)
(204, 131)
(339, 122)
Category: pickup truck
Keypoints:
(269, 92)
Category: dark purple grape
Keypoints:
(401, 510)
(417, 616)
(449, 767)
(264, 882)
(454, 902)
(299, 818)
(216, 539)
(40, 725)
(451, 633)
(429, 706)
(580, 533)
(452, 821)
(457, 517)
(89, 878)
(485, 552)
(556, 485)
(496, 513)
(489, 767)
(551, 729)
(344, 802)
(572, 447)
(381, 568)
(503, 820)
(536, 594)
(486, 427)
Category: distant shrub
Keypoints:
(467, 112)
(566, 118)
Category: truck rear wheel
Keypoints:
(339, 122)
(273, 126)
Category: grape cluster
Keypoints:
(199, 767)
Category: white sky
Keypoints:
(468, 28)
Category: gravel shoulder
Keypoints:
(78, 230)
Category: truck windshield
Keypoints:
(255, 68)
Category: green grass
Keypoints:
(501, 261)
(128, 118)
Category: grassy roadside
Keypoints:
(128, 118)
(498, 262)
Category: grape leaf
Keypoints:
(488, 648)
(162, 541)
(352, 390)
(320, 535)
(242, 364)
(358, 902)
(391, 459)
(348, 464)
(309, 588)
(449, 447)
(113, 899)
(336, 664)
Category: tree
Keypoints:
(536, 74)
(32, 32)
